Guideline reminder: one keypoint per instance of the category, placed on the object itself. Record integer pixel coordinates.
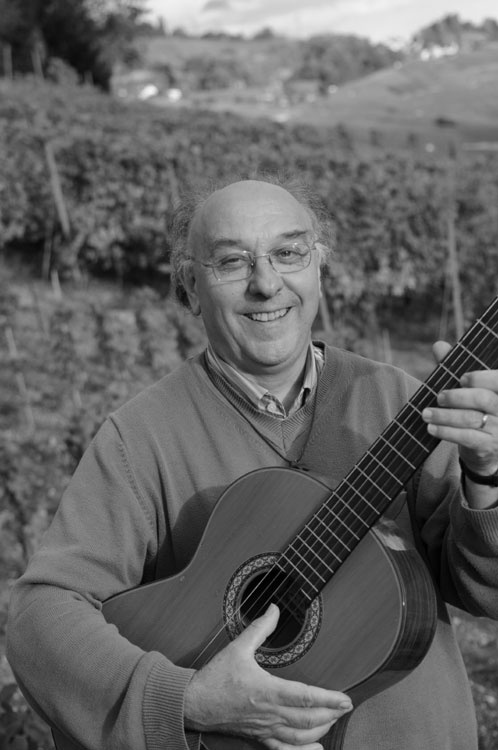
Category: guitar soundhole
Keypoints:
(252, 588)
(263, 589)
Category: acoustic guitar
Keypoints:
(358, 609)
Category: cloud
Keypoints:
(216, 5)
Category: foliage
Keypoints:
(20, 727)
(88, 36)
(122, 168)
(452, 30)
(335, 59)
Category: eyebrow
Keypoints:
(226, 242)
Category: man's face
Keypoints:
(262, 324)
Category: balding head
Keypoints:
(196, 218)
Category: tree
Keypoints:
(18, 31)
(90, 35)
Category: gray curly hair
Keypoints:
(187, 208)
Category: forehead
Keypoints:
(249, 214)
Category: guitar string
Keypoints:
(461, 355)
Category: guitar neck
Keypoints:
(364, 494)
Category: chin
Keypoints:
(272, 357)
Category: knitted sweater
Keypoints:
(136, 509)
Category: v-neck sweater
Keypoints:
(136, 509)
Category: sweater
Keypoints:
(135, 511)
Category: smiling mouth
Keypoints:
(267, 317)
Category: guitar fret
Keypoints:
(383, 466)
(292, 550)
(448, 371)
(300, 572)
(308, 528)
(374, 483)
(414, 438)
(337, 518)
(358, 493)
(352, 510)
(428, 388)
(474, 356)
(381, 437)
(312, 550)
(489, 330)
(331, 531)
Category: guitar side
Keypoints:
(372, 623)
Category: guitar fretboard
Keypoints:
(332, 533)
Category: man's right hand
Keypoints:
(233, 695)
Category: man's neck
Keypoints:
(285, 388)
(283, 384)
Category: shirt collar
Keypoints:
(258, 396)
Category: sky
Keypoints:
(379, 20)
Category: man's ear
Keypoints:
(190, 285)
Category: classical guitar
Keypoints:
(357, 608)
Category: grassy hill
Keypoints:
(453, 99)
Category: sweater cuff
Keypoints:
(480, 523)
(163, 708)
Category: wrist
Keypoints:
(488, 480)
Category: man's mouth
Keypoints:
(266, 317)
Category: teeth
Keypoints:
(265, 317)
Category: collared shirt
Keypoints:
(262, 399)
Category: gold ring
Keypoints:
(483, 422)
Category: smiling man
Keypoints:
(247, 258)
(255, 279)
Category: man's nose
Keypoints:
(264, 279)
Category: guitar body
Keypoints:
(371, 624)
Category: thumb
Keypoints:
(258, 631)
(440, 349)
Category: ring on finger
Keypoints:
(483, 421)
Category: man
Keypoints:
(247, 259)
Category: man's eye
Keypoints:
(231, 261)
(288, 253)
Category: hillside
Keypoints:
(449, 100)
(451, 97)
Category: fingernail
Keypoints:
(427, 414)
(346, 705)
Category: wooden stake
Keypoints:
(11, 343)
(57, 190)
(37, 61)
(8, 70)
(56, 286)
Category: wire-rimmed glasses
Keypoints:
(238, 265)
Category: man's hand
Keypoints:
(468, 416)
(233, 695)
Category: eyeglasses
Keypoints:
(239, 264)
